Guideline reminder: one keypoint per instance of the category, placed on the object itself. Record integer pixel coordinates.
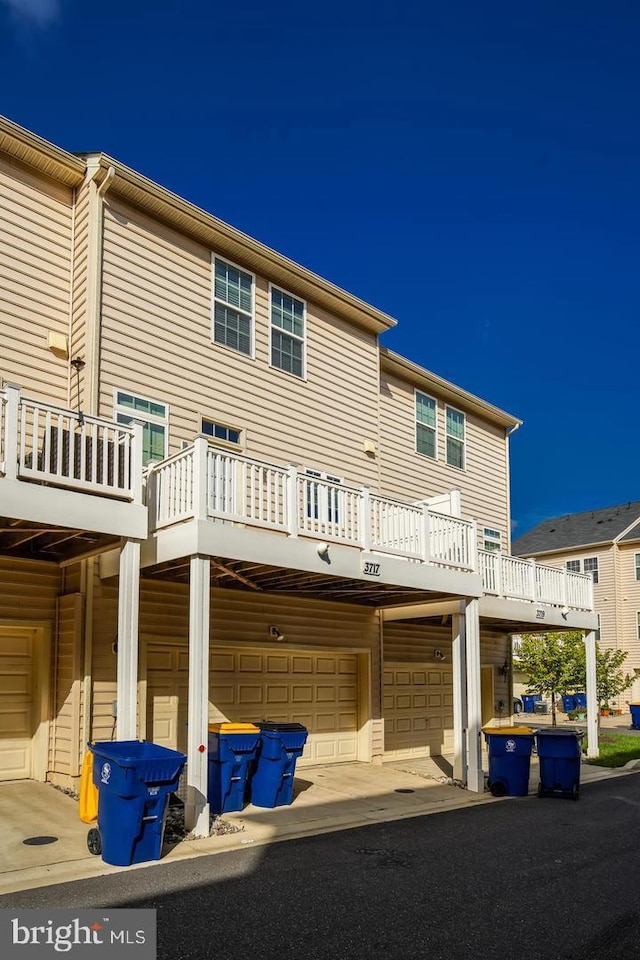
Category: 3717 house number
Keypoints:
(371, 569)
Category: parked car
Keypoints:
(518, 706)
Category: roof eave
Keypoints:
(421, 377)
(578, 546)
(35, 152)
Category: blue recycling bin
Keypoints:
(529, 701)
(274, 769)
(232, 748)
(509, 760)
(559, 753)
(580, 700)
(568, 702)
(635, 715)
(134, 779)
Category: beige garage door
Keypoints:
(17, 708)
(319, 690)
(418, 710)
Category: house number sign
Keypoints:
(371, 569)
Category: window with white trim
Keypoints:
(155, 422)
(637, 566)
(426, 425)
(219, 431)
(591, 566)
(322, 501)
(638, 624)
(232, 307)
(573, 566)
(287, 332)
(492, 539)
(455, 433)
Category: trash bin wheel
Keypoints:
(497, 788)
(540, 790)
(575, 792)
(94, 841)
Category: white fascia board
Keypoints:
(418, 611)
(72, 510)
(526, 614)
(172, 543)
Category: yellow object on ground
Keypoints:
(88, 791)
(508, 731)
(233, 728)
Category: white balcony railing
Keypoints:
(519, 579)
(49, 445)
(209, 483)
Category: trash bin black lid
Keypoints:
(555, 732)
(281, 727)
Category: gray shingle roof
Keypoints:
(579, 529)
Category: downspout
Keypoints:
(88, 574)
(71, 293)
(94, 297)
(379, 436)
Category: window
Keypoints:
(322, 501)
(219, 432)
(492, 539)
(573, 566)
(426, 430)
(155, 420)
(637, 566)
(455, 437)
(638, 624)
(591, 566)
(287, 332)
(232, 307)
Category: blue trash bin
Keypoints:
(529, 701)
(134, 779)
(272, 776)
(568, 702)
(232, 748)
(580, 700)
(559, 754)
(509, 760)
(635, 715)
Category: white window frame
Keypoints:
(311, 474)
(449, 406)
(218, 441)
(637, 565)
(571, 569)
(252, 336)
(303, 339)
(416, 422)
(119, 408)
(493, 537)
(595, 570)
(638, 624)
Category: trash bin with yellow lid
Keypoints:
(232, 747)
(509, 760)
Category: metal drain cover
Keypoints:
(403, 790)
(39, 841)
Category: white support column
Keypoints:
(593, 749)
(200, 478)
(458, 659)
(127, 673)
(10, 427)
(292, 500)
(475, 775)
(197, 808)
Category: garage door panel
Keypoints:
(297, 687)
(417, 711)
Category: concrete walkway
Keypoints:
(326, 799)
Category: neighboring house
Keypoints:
(222, 498)
(605, 544)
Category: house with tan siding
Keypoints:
(221, 497)
(605, 544)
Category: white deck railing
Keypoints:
(206, 482)
(49, 445)
(513, 577)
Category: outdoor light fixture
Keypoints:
(504, 669)
(438, 655)
(275, 634)
(323, 550)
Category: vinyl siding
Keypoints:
(35, 274)
(156, 341)
(236, 617)
(404, 472)
(29, 590)
(629, 605)
(78, 333)
(65, 752)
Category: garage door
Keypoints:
(319, 690)
(17, 686)
(418, 710)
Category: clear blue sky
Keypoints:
(471, 168)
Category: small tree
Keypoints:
(611, 681)
(553, 662)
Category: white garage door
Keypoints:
(319, 690)
(17, 685)
(418, 710)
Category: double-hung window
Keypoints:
(426, 425)
(232, 307)
(287, 332)
(455, 429)
(591, 566)
(322, 500)
(492, 539)
(573, 566)
(637, 566)
(155, 422)
(638, 624)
